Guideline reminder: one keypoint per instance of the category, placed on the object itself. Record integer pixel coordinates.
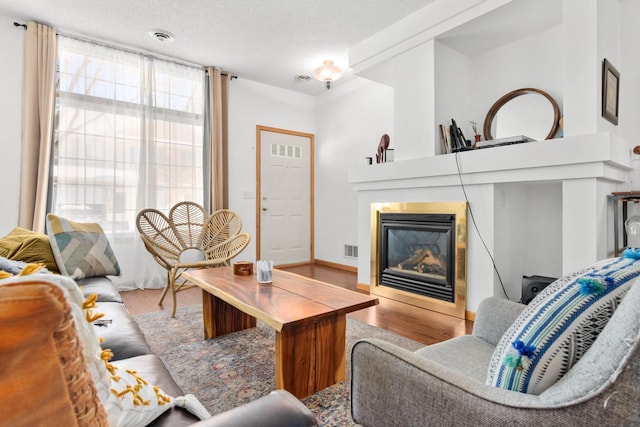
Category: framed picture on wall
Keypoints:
(610, 92)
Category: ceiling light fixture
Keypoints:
(162, 36)
(328, 72)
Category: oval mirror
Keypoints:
(528, 111)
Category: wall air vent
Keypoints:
(350, 251)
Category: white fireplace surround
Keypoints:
(540, 207)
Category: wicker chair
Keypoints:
(190, 238)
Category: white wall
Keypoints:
(350, 120)
(629, 68)
(11, 41)
(451, 85)
(409, 73)
(467, 86)
(251, 104)
(526, 62)
(527, 222)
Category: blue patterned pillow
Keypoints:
(560, 325)
(81, 250)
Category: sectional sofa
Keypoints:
(118, 331)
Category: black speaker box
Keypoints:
(532, 285)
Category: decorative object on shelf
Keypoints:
(610, 91)
(515, 114)
(328, 72)
(632, 227)
(368, 160)
(382, 148)
(388, 155)
(458, 141)
(625, 223)
(444, 139)
(477, 136)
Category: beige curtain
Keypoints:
(219, 135)
(38, 94)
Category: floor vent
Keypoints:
(351, 251)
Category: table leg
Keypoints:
(311, 356)
(220, 318)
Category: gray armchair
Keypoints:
(444, 384)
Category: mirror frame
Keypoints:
(488, 121)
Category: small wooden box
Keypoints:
(244, 268)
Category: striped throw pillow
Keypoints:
(560, 325)
(81, 249)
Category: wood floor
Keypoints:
(418, 324)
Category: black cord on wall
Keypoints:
(473, 220)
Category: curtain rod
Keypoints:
(232, 76)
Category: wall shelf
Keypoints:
(600, 155)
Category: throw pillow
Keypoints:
(127, 399)
(28, 246)
(44, 377)
(133, 401)
(81, 249)
(90, 344)
(559, 326)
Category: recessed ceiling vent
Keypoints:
(162, 36)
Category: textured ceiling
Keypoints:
(270, 41)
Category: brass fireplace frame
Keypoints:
(459, 209)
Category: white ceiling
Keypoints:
(270, 41)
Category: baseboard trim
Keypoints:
(348, 268)
(363, 287)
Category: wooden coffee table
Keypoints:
(309, 317)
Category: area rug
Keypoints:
(230, 370)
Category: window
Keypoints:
(128, 135)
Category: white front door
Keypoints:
(284, 196)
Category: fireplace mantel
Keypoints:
(539, 206)
(600, 155)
